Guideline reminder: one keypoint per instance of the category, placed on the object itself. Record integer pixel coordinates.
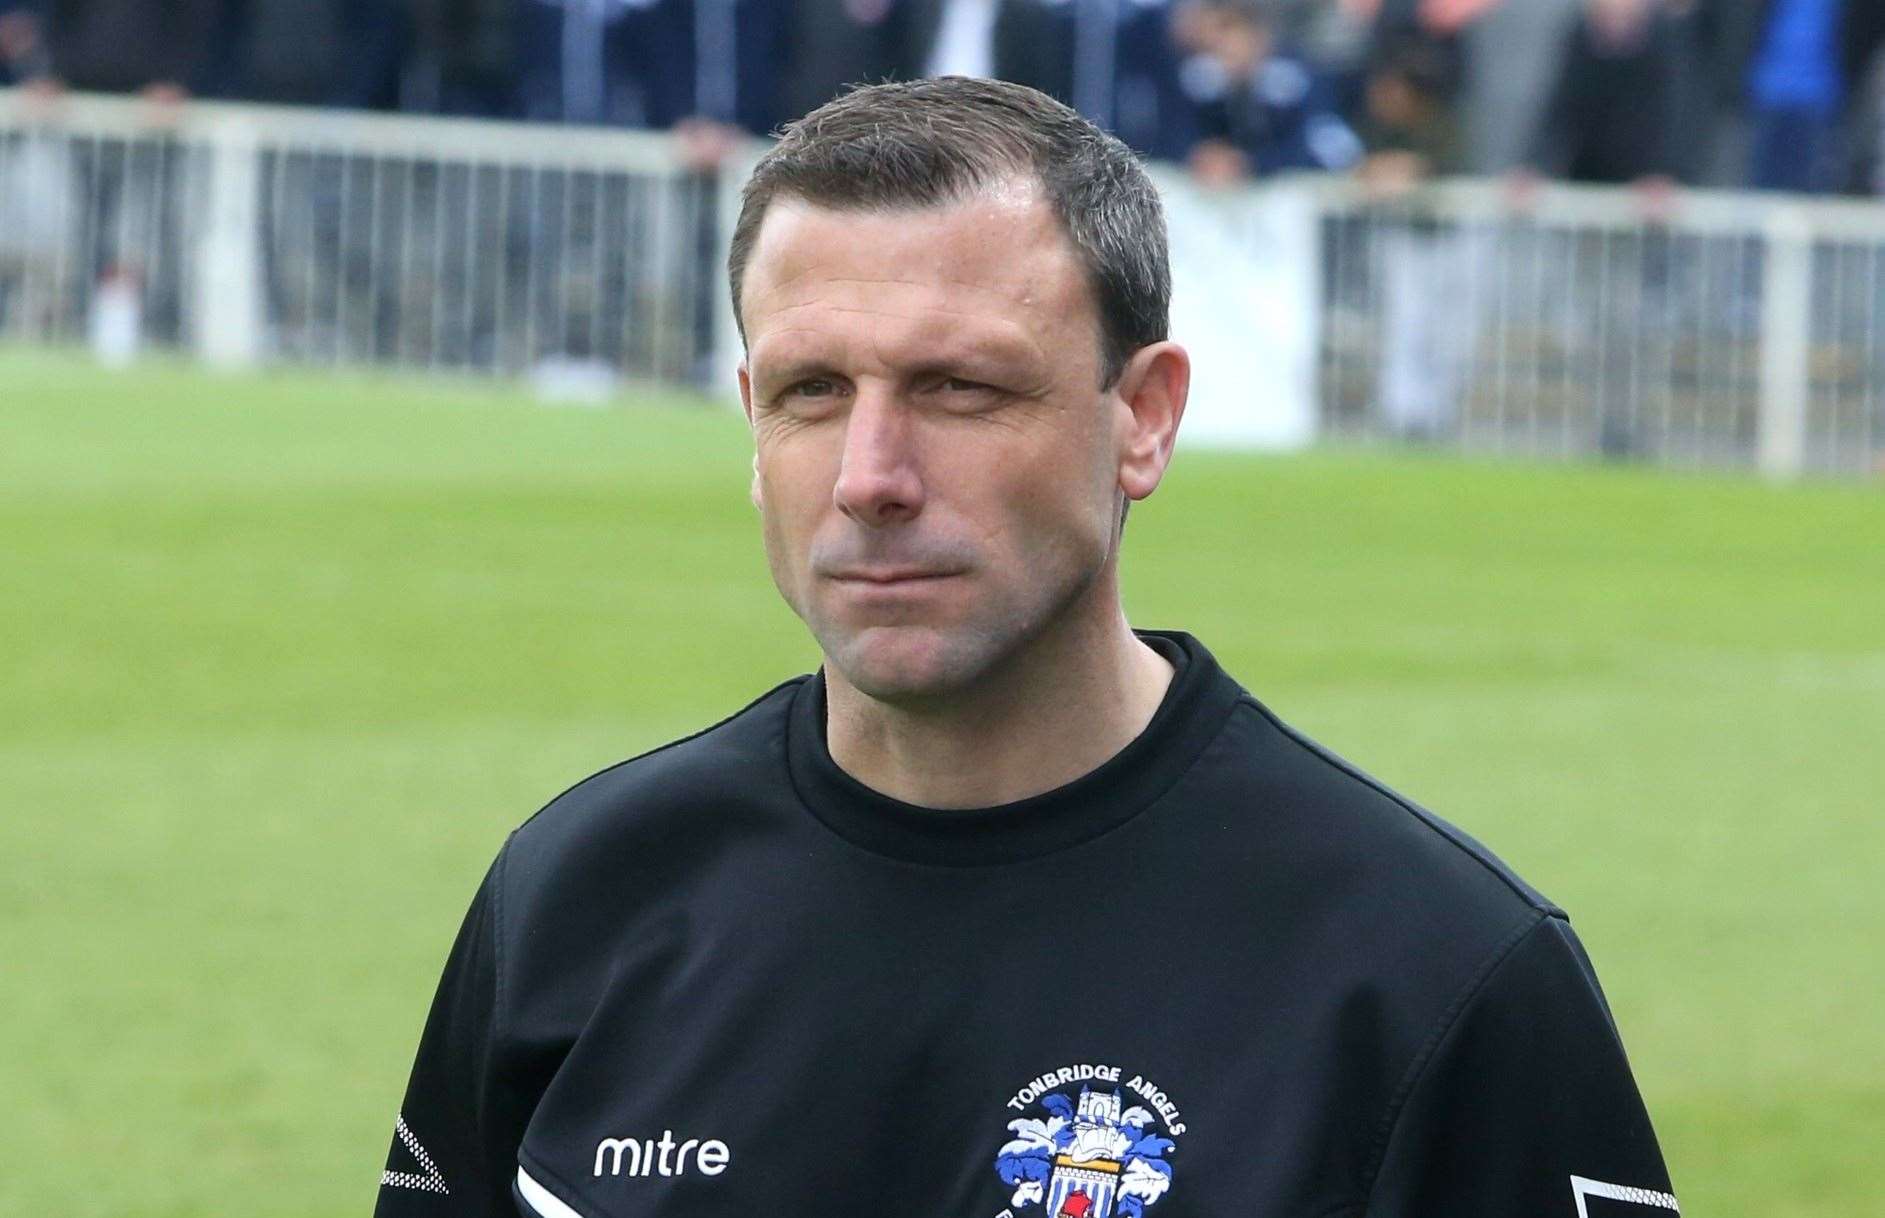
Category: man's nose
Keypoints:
(879, 482)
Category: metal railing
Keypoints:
(1714, 330)
(253, 233)
(1700, 329)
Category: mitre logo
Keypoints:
(1097, 1149)
(663, 1157)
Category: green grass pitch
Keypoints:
(282, 659)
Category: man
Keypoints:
(1008, 904)
(129, 276)
(1261, 109)
(1790, 72)
(130, 46)
(22, 42)
(311, 52)
(1613, 112)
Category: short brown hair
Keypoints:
(925, 143)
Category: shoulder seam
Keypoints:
(1429, 1050)
(1532, 898)
(660, 748)
(497, 1029)
(497, 931)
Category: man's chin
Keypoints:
(905, 664)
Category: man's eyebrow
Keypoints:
(1004, 345)
(784, 354)
(795, 342)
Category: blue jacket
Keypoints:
(1283, 117)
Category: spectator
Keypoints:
(36, 211)
(1614, 106)
(705, 67)
(1478, 62)
(711, 62)
(1408, 125)
(131, 202)
(1260, 109)
(1510, 59)
(1339, 38)
(1793, 68)
(833, 43)
(1112, 60)
(1862, 38)
(313, 52)
(1866, 50)
(1335, 36)
(462, 58)
(1411, 130)
(584, 61)
(964, 38)
(1796, 87)
(1725, 32)
(22, 42)
(130, 46)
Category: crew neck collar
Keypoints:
(1187, 719)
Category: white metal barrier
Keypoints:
(254, 233)
(1696, 329)
(1724, 329)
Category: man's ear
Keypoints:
(746, 406)
(1152, 390)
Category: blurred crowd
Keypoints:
(1774, 94)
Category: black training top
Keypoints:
(1224, 973)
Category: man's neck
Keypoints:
(1053, 714)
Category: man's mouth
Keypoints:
(890, 575)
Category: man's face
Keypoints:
(938, 468)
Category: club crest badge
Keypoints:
(1091, 1142)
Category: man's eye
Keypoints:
(956, 384)
(817, 387)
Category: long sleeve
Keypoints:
(455, 1144)
(1526, 1104)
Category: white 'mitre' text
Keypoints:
(647, 1157)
